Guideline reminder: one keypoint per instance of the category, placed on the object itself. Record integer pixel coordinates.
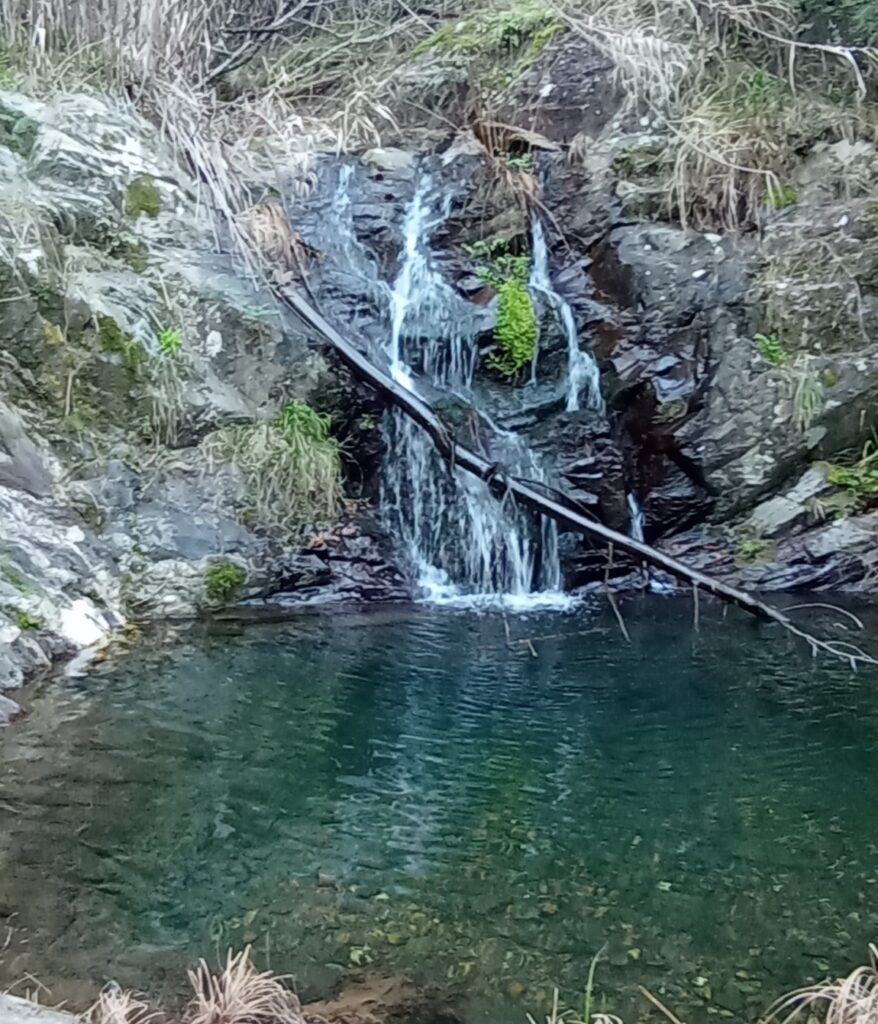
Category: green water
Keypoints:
(409, 793)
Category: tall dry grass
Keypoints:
(739, 87)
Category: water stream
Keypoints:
(583, 375)
(466, 546)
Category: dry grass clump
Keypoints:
(116, 1006)
(739, 88)
(240, 994)
(850, 1000)
(237, 994)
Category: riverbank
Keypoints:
(239, 994)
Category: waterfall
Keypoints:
(582, 370)
(635, 519)
(465, 545)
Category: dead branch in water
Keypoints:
(503, 485)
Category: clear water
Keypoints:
(484, 816)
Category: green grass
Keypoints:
(779, 197)
(170, 341)
(860, 480)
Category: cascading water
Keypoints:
(465, 545)
(582, 370)
(635, 519)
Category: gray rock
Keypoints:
(23, 465)
(22, 1011)
(784, 511)
(8, 710)
(388, 159)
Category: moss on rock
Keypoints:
(225, 582)
(114, 340)
(17, 132)
(142, 197)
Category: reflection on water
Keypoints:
(411, 793)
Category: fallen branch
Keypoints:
(503, 485)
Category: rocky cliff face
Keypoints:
(128, 334)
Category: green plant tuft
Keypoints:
(142, 197)
(771, 350)
(860, 480)
(292, 467)
(754, 551)
(781, 196)
(170, 341)
(299, 420)
(517, 329)
(225, 582)
(26, 623)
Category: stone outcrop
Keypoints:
(110, 505)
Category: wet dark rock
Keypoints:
(832, 556)
(352, 564)
(569, 90)
(670, 271)
(590, 466)
(673, 504)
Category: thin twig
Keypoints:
(619, 618)
(659, 1005)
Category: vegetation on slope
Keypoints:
(739, 90)
(292, 468)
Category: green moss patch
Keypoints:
(17, 132)
(225, 582)
(142, 197)
(506, 39)
(114, 340)
(26, 623)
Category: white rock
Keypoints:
(389, 159)
(82, 624)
